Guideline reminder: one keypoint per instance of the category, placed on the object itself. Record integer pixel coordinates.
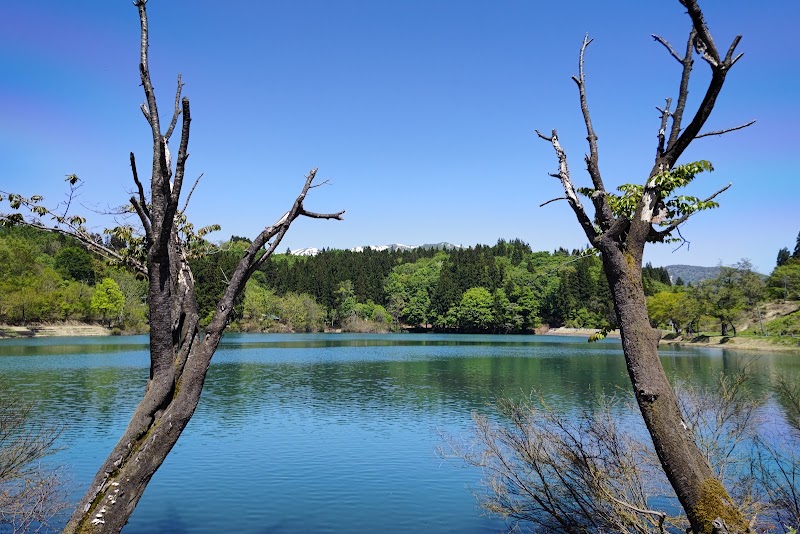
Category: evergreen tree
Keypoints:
(796, 253)
(783, 256)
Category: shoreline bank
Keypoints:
(53, 330)
(720, 342)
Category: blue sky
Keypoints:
(420, 113)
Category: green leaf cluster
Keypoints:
(664, 184)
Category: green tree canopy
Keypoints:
(108, 300)
(75, 263)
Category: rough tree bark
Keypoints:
(180, 353)
(621, 238)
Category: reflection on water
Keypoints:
(324, 432)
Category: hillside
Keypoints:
(691, 274)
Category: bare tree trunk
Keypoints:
(698, 490)
(179, 354)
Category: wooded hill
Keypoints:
(504, 288)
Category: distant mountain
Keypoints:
(691, 274)
(311, 251)
(392, 247)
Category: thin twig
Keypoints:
(726, 130)
(668, 46)
(189, 196)
(552, 200)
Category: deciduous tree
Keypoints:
(621, 226)
(108, 300)
(180, 353)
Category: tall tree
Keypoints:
(621, 226)
(108, 300)
(180, 353)
(783, 256)
(796, 253)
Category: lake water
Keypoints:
(323, 432)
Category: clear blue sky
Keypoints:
(421, 113)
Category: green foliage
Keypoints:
(505, 288)
(796, 253)
(788, 325)
(664, 184)
(654, 279)
(783, 256)
(409, 288)
(677, 310)
(211, 275)
(134, 314)
(784, 282)
(475, 311)
(301, 313)
(75, 263)
(108, 300)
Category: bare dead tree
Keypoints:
(180, 353)
(619, 230)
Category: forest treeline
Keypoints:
(503, 288)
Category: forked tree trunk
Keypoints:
(621, 234)
(179, 354)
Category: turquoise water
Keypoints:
(322, 432)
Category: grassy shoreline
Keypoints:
(740, 342)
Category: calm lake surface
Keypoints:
(323, 432)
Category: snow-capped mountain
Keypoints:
(312, 251)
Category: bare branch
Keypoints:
(603, 213)
(324, 182)
(569, 189)
(151, 113)
(726, 130)
(683, 91)
(660, 515)
(140, 188)
(729, 59)
(552, 200)
(704, 43)
(66, 229)
(140, 210)
(177, 111)
(191, 191)
(268, 239)
(314, 215)
(665, 114)
(684, 241)
(668, 46)
(183, 154)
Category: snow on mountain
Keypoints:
(311, 251)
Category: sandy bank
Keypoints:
(579, 332)
(52, 330)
